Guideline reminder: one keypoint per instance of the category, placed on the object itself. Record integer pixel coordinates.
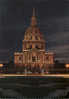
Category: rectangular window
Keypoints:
(33, 59)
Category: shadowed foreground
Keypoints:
(34, 86)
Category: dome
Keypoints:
(33, 31)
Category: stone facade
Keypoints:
(33, 49)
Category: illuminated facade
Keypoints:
(33, 52)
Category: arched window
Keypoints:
(30, 47)
(37, 47)
(36, 38)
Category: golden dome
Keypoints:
(33, 32)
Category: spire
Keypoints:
(33, 19)
(33, 11)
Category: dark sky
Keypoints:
(53, 20)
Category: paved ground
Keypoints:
(52, 85)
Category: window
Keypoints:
(36, 47)
(47, 57)
(30, 47)
(20, 58)
(33, 59)
(36, 37)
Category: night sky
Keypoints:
(53, 20)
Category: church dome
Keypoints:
(33, 31)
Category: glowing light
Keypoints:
(67, 65)
(1, 65)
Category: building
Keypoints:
(33, 52)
